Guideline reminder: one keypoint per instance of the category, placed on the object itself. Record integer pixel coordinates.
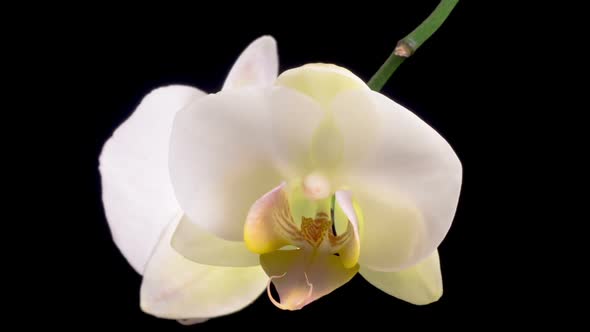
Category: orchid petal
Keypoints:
(224, 153)
(300, 280)
(200, 246)
(420, 284)
(137, 195)
(405, 176)
(219, 159)
(176, 288)
(257, 65)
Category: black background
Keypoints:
(109, 60)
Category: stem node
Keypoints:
(408, 45)
(403, 49)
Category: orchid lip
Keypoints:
(300, 304)
(320, 253)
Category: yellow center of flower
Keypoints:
(315, 230)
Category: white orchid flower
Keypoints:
(300, 181)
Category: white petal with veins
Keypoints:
(136, 191)
(227, 150)
(406, 176)
(200, 246)
(176, 288)
(257, 65)
(420, 284)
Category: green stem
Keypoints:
(410, 43)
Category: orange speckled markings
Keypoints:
(314, 230)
